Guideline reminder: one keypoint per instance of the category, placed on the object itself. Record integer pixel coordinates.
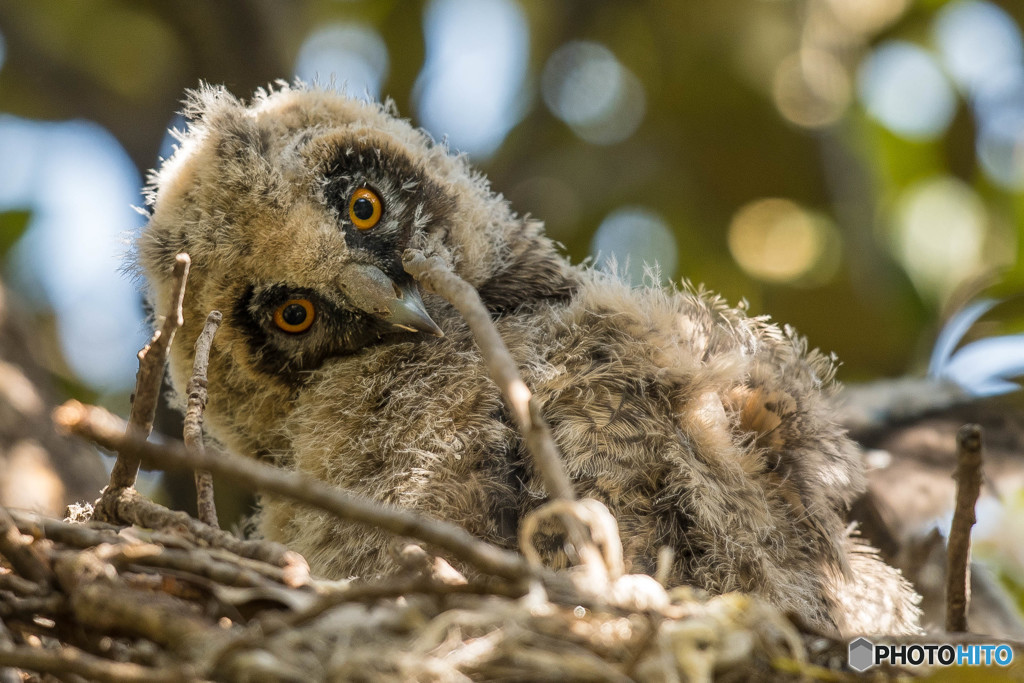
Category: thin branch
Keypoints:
(7, 674)
(958, 558)
(104, 601)
(216, 563)
(193, 431)
(50, 605)
(129, 506)
(19, 553)
(103, 428)
(435, 276)
(72, 534)
(152, 359)
(71, 660)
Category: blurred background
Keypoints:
(854, 168)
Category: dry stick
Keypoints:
(7, 674)
(193, 432)
(104, 601)
(67, 533)
(219, 564)
(20, 554)
(435, 276)
(105, 429)
(958, 557)
(130, 506)
(152, 359)
(71, 660)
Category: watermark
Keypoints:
(863, 654)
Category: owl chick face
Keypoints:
(339, 285)
(296, 209)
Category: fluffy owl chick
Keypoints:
(699, 427)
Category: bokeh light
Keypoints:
(634, 239)
(471, 83)
(1000, 147)
(867, 16)
(811, 88)
(904, 89)
(79, 185)
(941, 226)
(777, 240)
(999, 92)
(352, 55)
(976, 40)
(586, 86)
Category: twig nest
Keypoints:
(638, 593)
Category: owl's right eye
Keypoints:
(294, 316)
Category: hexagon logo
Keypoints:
(861, 655)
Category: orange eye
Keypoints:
(364, 208)
(294, 315)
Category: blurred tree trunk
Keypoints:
(39, 469)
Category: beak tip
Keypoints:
(407, 313)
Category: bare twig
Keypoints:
(7, 674)
(71, 660)
(75, 535)
(152, 359)
(16, 585)
(435, 276)
(216, 563)
(128, 505)
(20, 554)
(198, 564)
(30, 607)
(102, 428)
(958, 558)
(193, 431)
(103, 600)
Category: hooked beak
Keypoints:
(375, 293)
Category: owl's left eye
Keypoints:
(364, 208)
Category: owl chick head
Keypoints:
(296, 208)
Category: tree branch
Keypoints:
(20, 554)
(152, 359)
(71, 660)
(958, 558)
(193, 430)
(435, 276)
(105, 429)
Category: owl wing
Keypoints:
(704, 430)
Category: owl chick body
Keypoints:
(699, 427)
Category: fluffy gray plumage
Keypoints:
(700, 428)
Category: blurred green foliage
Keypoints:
(12, 227)
(727, 123)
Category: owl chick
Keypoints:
(699, 427)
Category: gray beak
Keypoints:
(374, 292)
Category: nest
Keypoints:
(127, 590)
